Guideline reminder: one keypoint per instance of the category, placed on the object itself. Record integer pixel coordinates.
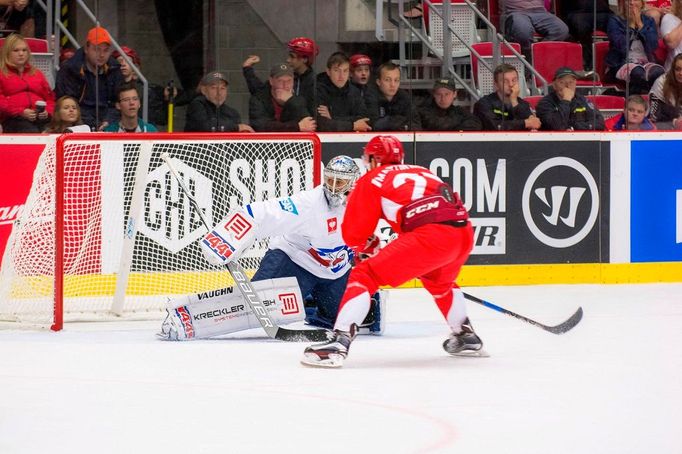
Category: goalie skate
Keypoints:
(332, 353)
(465, 344)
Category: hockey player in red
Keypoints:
(434, 240)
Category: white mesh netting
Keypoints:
(150, 255)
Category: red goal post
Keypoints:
(106, 231)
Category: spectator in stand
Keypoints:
(671, 31)
(580, 18)
(275, 107)
(522, 18)
(395, 110)
(565, 110)
(361, 78)
(439, 114)
(634, 118)
(504, 109)
(158, 96)
(67, 114)
(92, 76)
(26, 99)
(302, 53)
(657, 9)
(208, 112)
(18, 16)
(128, 104)
(633, 39)
(666, 97)
(340, 106)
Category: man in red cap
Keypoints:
(92, 76)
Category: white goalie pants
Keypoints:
(224, 311)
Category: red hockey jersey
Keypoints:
(380, 194)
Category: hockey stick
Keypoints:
(561, 328)
(243, 282)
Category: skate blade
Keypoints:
(471, 354)
(312, 360)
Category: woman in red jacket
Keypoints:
(26, 99)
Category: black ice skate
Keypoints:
(466, 343)
(330, 353)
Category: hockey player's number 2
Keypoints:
(419, 182)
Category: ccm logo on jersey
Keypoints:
(288, 205)
(289, 303)
(422, 208)
(238, 225)
(186, 321)
(218, 245)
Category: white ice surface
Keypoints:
(612, 385)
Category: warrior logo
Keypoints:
(560, 215)
(289, 303)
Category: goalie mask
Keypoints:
(340, 175)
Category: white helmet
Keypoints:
(340, 175)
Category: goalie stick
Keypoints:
(244, 285)
(561, 328)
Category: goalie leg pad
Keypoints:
(224, 311)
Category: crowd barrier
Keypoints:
(546, 207)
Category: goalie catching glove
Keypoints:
(229, 238)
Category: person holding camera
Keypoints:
(26, 99)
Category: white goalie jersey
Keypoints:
(307, 229)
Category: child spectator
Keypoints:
(634, 118)
(67, 114)
(208, 112)
(275, 107)
(633, 39)
(158, 96)
(666, 97)
(340, 106)
(439, 113)
(92, 76)
(26, 100)
(361, 78)
(128, 104)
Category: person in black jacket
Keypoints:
(275, 107)
(395, 110)
(361, 77)
(340, 106)
(208, 111)
(438, 113)
(302, 53)
(92, 76)
(565, 110)
(504, 109)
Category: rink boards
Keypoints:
(546, 207)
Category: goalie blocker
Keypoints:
(224, 311)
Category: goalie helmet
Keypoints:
(384, 150)
(340, 175)
(304, 47)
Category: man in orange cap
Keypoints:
(92, 77)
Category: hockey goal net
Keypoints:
(107, 231)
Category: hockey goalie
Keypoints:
(307, 261)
